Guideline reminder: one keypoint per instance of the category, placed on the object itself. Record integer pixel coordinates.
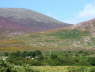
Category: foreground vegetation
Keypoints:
(26, 68)
(7, 67)
(50, 58)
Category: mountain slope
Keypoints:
(25, 20)
(87, 26)
(22, 29)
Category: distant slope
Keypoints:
(22, 29)
(87, 26)
(24, 20)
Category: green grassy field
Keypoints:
(50, 69)
(64, 69)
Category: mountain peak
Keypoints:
(28, 20)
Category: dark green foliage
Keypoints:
(92, 61)
(52, 58)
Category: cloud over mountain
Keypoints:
(88, 11)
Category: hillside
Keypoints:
(88, 26)
(23, 29)
(24, 20)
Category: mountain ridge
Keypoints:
(31, 20)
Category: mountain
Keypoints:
(20, 20)
(23, 29)
(87, 26)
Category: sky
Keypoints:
(69, 11)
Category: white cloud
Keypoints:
(88, 12)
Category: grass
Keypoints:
(51, 69)
(64, 69)
(59, 40)
(70, 34)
